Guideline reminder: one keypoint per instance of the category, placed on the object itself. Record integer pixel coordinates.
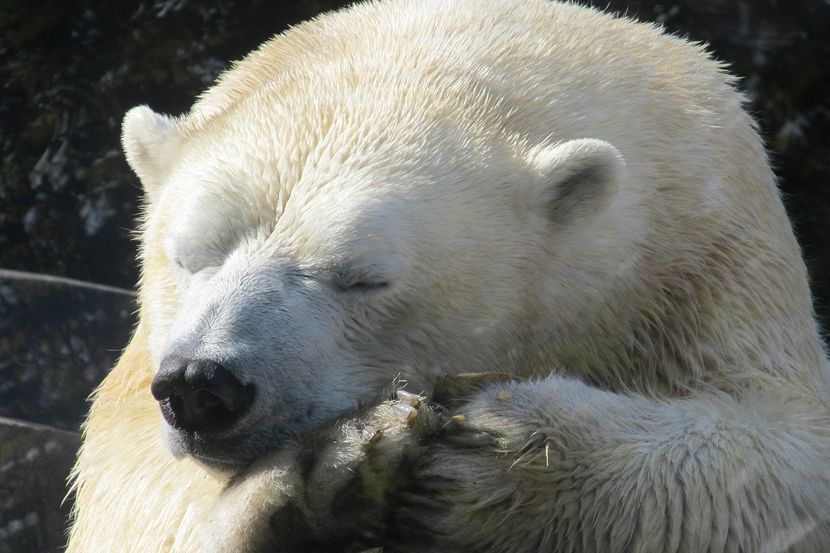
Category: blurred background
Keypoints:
(68, 203)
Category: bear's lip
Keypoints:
(220, 465)
(227, 453)
(218, 454)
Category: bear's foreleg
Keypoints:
(575, 468)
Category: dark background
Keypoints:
(70, 69)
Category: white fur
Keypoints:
(151, 143)
(677, 400)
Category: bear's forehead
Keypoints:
(324, 153)
(267, 154)
(363, 108)
(219, 206)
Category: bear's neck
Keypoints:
(710, 321)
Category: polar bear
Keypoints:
(410, 189)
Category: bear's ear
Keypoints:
(580, 177)
(150, 141)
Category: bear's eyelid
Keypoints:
(191, 263)
(194, 256)
(349, 277)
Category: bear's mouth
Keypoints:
(227, 454)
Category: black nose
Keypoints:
(200, 394)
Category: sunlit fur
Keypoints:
(677, 395)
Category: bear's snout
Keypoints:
(200, 395)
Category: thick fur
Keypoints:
(576, 199)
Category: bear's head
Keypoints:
(298, 260)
